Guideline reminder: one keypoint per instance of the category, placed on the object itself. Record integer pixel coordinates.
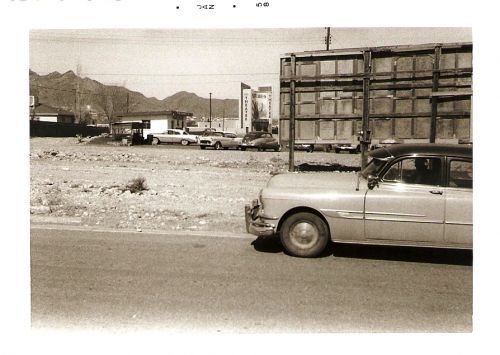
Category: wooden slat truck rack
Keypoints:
(361, 96)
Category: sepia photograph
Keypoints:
(166, 187)
(258, 179)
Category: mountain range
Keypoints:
(60, 91)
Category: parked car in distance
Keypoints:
(310, 147)
(173, 136)
(260, 141)
(407, 195)
(347, 147)
(386, 143)
(219, 140)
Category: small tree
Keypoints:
(112, 100)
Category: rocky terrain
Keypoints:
(152, 187)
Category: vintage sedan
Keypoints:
(260, 141)
(407, 195)
(173, 136)
(220, 140)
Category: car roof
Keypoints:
(455, 150)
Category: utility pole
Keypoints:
(291, 132)
(210, 111)
(435, 89)
(327, 38)
(223, 116)
(366, 135)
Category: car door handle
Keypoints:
(436, 192)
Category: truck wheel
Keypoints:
(217, 146)
(155, 141)
(328, 148)
(184, 142)
(304, 234)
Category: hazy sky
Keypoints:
(160, 63)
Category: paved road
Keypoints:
(103, 279)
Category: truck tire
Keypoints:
(304, 234)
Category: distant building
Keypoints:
(156, 121)
(256, 108)
(231, 124)
(46, 113)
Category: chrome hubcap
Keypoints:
(304, 235)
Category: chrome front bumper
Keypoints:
(253, 222)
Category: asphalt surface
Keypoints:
(83, 279)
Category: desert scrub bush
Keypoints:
(135, 185)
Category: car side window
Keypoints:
(415, 170)
(460, 174)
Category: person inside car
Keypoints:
(426, 173)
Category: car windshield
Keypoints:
(372, 167)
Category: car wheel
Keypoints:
(184, 142)
(217, 146)
(328, 148)
(337, 150)
(304, 234)
(310, 149)
(202, 147)
(155, 141)
(278, 148)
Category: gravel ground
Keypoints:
(187, 188)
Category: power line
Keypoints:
(180, 42)
(167, 74)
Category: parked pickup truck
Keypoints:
(220, 140)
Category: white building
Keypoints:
(156, 121)
(256, 108)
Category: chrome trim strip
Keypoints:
(346, 214)
(397, 214)
(342, 211)
(404, 220)
(459, 223)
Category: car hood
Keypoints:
(308, 181)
